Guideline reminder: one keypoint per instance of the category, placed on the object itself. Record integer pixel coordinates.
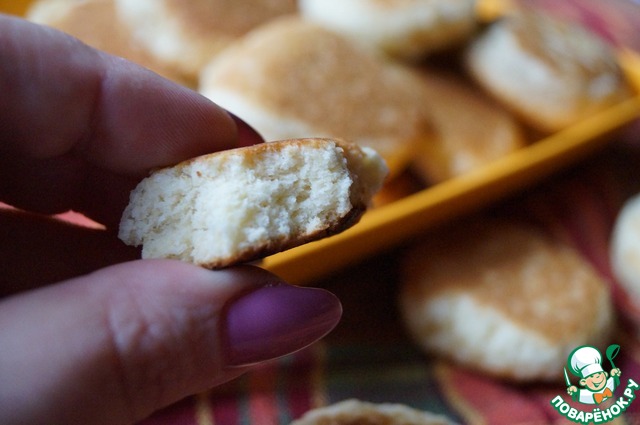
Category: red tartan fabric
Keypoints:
(369, 357)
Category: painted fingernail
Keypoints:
(247, 135)
(276, 320)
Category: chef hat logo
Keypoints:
(585, 361)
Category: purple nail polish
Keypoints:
(247, 135)
(276, 320)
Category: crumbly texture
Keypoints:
(239, 205)
(97, 24)
(471, 129)
(503, 298)
(357, 412)
(185, 35)
(291, 78)
(625, 249)
(552, 73)
(408, 29)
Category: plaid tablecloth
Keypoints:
(369, 357)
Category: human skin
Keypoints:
(89, 333)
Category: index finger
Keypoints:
(59, 96)
(79, 128)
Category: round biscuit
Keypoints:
(503, 298)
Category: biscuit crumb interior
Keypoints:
(222, 205)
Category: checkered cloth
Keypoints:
(369, 356)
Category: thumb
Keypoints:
(122, 342)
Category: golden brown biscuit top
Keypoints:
(531, 279)
(96, 23)
(299, 70)
(564, 46)
(229, 17)
(472, 128)
(356, 412)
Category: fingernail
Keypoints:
(247, 135)
(276, 320)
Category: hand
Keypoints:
(572, 390)
(119, 338)
(616, 372)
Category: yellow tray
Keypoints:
(14, 7)
(386, 226)
(389, 225)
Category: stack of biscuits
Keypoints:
(437, 93)
(368, 71)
